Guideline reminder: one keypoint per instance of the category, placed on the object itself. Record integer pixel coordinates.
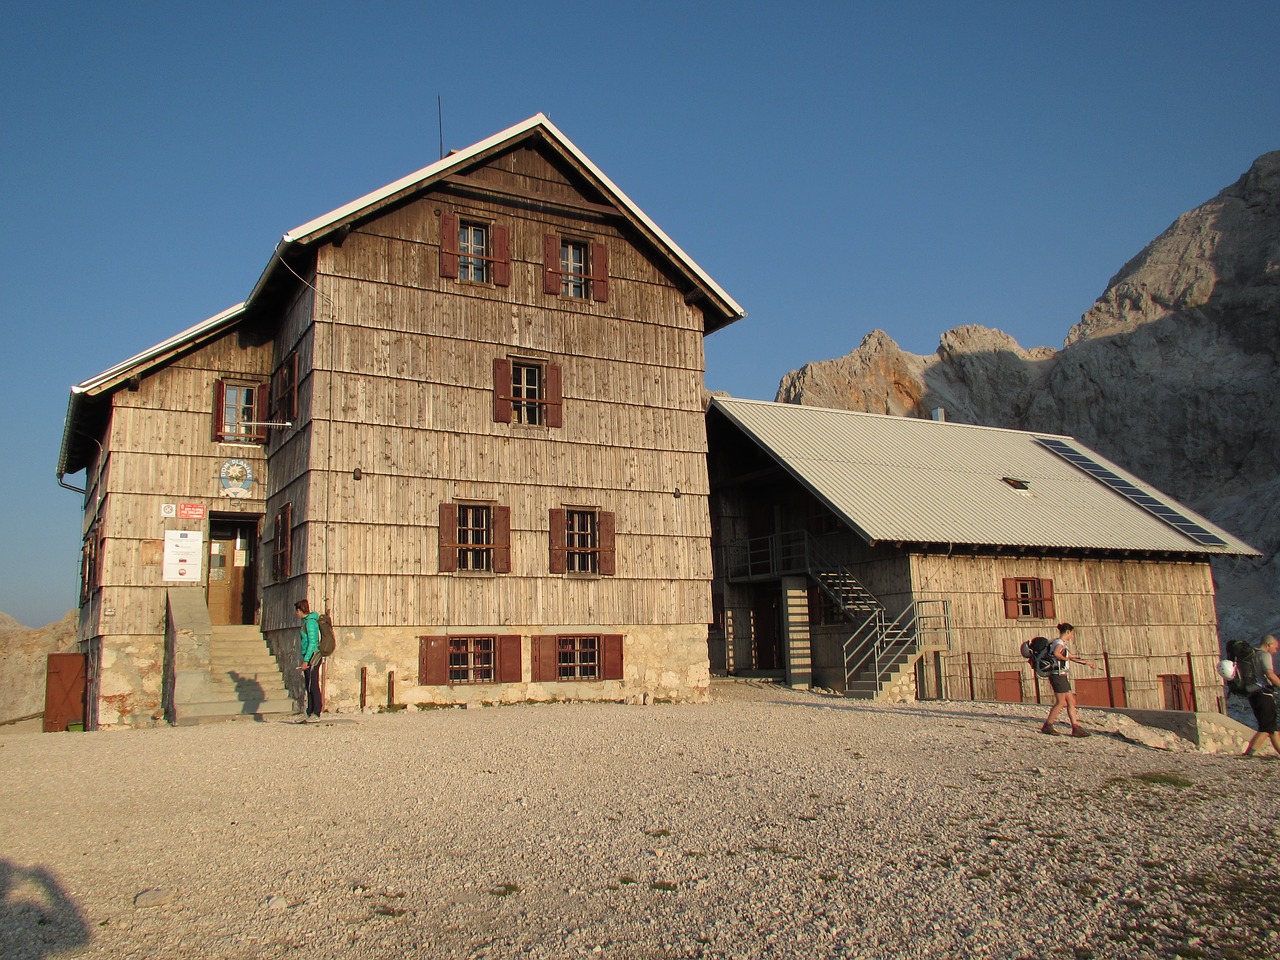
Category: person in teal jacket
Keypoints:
(309, 655)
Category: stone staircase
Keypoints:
(897, 678)
(245, 680)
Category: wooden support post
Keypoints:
(1191, 682)
(391, 689)
(1106, 666)
(364, 687)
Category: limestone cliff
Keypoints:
(1171, 373)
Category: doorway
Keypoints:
(766, 628)
(233, 570)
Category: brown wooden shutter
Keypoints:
(551, 264)
(558, 539)
(501, 390)
(611, 656)
(1046, 596)
(1011, 598)
(500, 250)
(448, 537)
(261, 411)
(219, 409)
(555, 396)
(433, 661)
(449, 246)
(599, 272)
(542, 665)
(509, 667)
(501, 539)
(608, 553)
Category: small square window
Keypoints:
(1028, 598)
(240, 412)
(473, 252)
(577, 658)
(475, 537)
(574, 275)
(472, 659)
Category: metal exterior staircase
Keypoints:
(245, 679)
(880, 649)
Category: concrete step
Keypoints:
(220, 663)
(223, 710)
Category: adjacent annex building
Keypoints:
(889, 556)
(462, 413)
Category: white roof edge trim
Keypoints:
(178, 340)
(306, 230)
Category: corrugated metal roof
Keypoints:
(902, 479)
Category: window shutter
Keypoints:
(509, 667)
(433, 661)
(1046, 596)
(551, 264)
(1011, 598)
(501, 390)
(261, 411)
(559, 541)
(611, 656)
(608, 553)
(599, 272)
(500, 244)
(501, 539)
(555, 395)
(542, 666)
(448, 537)
(219, 409)
(449, 246)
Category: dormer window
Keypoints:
(1016, 483)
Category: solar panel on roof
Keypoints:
(1140, 498)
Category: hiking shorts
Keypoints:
(1264, 710)
(1060, 683)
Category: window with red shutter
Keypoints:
(281, 545)
(449, 246)
(1027, 598)
(433, 661)
(240, 411)
(611, 647)
(542, 658)
(574, 268)
(528, 391)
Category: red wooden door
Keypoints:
(63, 691)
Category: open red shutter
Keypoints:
(500, 242)
(608, 554)
(1046, 594)
(219, 409)
(449, 246)
(1010, 598)
(551, 264)
(448, 537)
(555, 396)
(433, 661)
(559, 541)
(501, 539)
(501, 390)
(509, 667)
(542, 657)
(261, 411)
(611, 656)
(599, 272)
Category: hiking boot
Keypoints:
(1080, 732)
(1050, 731)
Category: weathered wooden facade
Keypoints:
(462, 414)
(894, 558)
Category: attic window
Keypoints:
(1016, 483)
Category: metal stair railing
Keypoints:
(881, 650)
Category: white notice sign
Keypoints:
(183, 550)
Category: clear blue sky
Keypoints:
(836, 167)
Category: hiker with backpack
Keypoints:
(1263, 699)
(1058, 660)
(309, 654)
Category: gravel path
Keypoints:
(768, 823)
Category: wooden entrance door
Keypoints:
(63, 691)
(232, 581)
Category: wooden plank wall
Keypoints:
(400, 385)
(1145, 614)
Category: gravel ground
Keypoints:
(767, 823)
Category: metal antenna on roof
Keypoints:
(440, 121)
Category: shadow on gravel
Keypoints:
(899, 710)
(37, 919)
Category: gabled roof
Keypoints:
(905, 480)
(537, 127)
(723, 309)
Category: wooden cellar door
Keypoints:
(63, 691)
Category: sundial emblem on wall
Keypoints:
(236, 477)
